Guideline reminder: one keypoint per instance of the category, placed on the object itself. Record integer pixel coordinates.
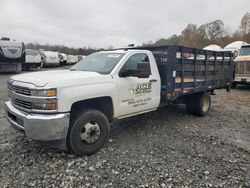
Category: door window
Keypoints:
(138, 62)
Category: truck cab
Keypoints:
(115, 84)
(242, 63)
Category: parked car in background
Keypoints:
(12, 55)
(51, 58)
(72, 59)
(33, 59)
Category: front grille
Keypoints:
(247, 71)
(240, 67)
(21, 103)
(19, 89)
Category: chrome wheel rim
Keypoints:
(205, 104)
(90, 132)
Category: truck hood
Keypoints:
(58, 77)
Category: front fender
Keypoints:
(69, 95)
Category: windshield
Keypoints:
(245, 50)
(102, 63)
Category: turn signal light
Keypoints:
(51, 93)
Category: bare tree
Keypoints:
(245, 23)
(212, 30)
(189, 32)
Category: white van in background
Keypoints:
(63, 58)
(51, 58)
(33, 59)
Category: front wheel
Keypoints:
(88, 132)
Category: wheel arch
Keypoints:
(103, 104)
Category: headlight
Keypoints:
(49, 102)
(44, 93)
(48, 106)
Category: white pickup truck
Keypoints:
(72, 109)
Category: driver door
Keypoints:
(137, 93)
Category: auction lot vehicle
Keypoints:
(12, 55)
(213, 47)
(72, 109)
(33, 59)
(50, 58)
(234, 47)
(72, 59)
(63, 58)
(80, 57)
(242, 63)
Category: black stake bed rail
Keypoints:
(189, 70)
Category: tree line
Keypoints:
(213, 32)
(62, 49)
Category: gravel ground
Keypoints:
(166, 148)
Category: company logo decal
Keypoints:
(140, 88)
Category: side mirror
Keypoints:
(129, 73)
(124, 73)
(143, 69)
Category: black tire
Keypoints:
(78, 128)
(24, 67)
(190, 107)
(202, 104)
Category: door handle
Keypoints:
(153, 80)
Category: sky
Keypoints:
(105, 23)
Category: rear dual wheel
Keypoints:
(199, 104)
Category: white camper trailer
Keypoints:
(12, 55)
(72, 59)
(51, 58)
(213, 47)
(33, 59)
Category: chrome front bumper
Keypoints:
(46, 128)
